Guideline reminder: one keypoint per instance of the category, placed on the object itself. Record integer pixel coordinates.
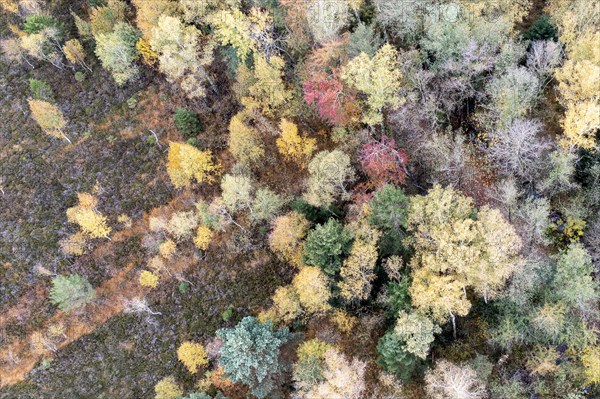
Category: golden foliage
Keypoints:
(148, 13)
(292, 146)
(186, 164)
(149, 56)
(203, 237)
(192, 355)
(286, 237)
(358, 272)
(48, 117)
(591, 364)
(91, 222)
(312, 288)
(244, 143)
(74, 51)
(148, 279)
(73, 244)
(167, 249)
(167, 388)
(344, 321)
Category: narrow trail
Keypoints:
(19, 357)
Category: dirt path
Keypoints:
(19, 357)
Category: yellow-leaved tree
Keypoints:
(192, 355)
(286, 237)
(187, 163)
(244, 143)
(49, 118)
(457, 247)
(91, 222)
(378, 78)
(293, 146)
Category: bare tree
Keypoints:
(450, 381)
(518, 149)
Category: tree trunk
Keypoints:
(453, 325)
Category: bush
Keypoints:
(70, 292)
(187, 122)
(40, 90)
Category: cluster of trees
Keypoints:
(429, 191)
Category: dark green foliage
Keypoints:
(542, 29)
(326, 246)
(70, 292)
(364, 39)
(37, 23)
(398, 297)
(187, 122)
(312, 213)
(40, 90)
(393, 357)
(389, 212)
(250, 354)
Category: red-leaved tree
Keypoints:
(326, 94)
(383, 162)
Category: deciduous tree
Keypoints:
(450, 381)
(49, 117)
(192, 355)
(330, 172)
(186, 164)
(286, 237)
(293, 146)
(70, 292)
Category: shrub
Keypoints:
(70, 292)
(187, 122)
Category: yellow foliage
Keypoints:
(149, 56)
(358, 272)
(313, 348)
(167, 388)
(244, 144)
(266, 90)
(192, 355)
(148, 13)
(167, 249)
(124, 220)
(344, 321)
(74, 51)
(73, 244)
(10, 6)
(292, 146)
(48, 117)
(186, 163)
(591, 363)
(286, 305)
(286, 237)
(87, 200)
(148, 279)
(203, 237)
(312, 288)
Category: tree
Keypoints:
(237, 192)
(377, 77)
(203, 237)
(187, 122)
(393, 357)
(244, 142)
(383, 162)
(326, 246)
(573, 283)
(358, 272)
(167, 388)
(266, 205)
(389, 208)
(326, 93)
(148, 279)
(103, 19)
(91, 222)
(364, 39)
(148, 14)
(326, 18)
(74, 52)
(450, 381)
(182, 224)
(518, 150)
(186, 163)
(118, 53)
(192, 355)
(286, 236)
(49, 117)
(293, 146)
(250, 354)
(344, 378)
(308, 369)
(180, 56)
(70, 292)
(42, 38)
(417, 331)
(329, 174)
(513, 95)
(312, 290)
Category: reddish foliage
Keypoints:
(327, 95)
(383, 162)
